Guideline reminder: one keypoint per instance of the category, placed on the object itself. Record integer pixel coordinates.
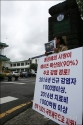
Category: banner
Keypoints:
(58, 88)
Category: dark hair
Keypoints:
(61, 40)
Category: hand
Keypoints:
(56, 50)
(46, 54)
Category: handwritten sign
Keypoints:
(58, 89)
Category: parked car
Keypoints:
(15, 73)
(12, 76)
(24, 74)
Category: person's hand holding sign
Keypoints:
(56, 50)
(60, 45)
(46, 54)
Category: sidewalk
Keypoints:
(30, 117)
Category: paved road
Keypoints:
(16, 93)
(13, 94)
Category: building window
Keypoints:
(25, 63)
(14, 64)
(22, 64)
(18, 64)
(26, 70)
(11, 65)
(22, 70)
(13, 70)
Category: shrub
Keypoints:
(2, 76)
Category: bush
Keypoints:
(2, 76)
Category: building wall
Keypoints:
(21, 66)
(6, 64)
(1, 51)
(35, 60)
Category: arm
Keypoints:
(64, 48)
(46, 54)
(56, 50)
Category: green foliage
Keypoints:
(33, 66)
(2, 76)
(80, 6)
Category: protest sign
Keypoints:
(58, 89)
(49, 47)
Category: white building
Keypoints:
(21, 66)
(3, 57)
(6, 64)
(36, 59)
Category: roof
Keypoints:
(3, 44)
(38, 56)
(19, 61)
(4, 58)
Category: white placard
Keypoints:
(58, 89)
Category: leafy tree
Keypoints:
(33, 66)
(80, 6)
